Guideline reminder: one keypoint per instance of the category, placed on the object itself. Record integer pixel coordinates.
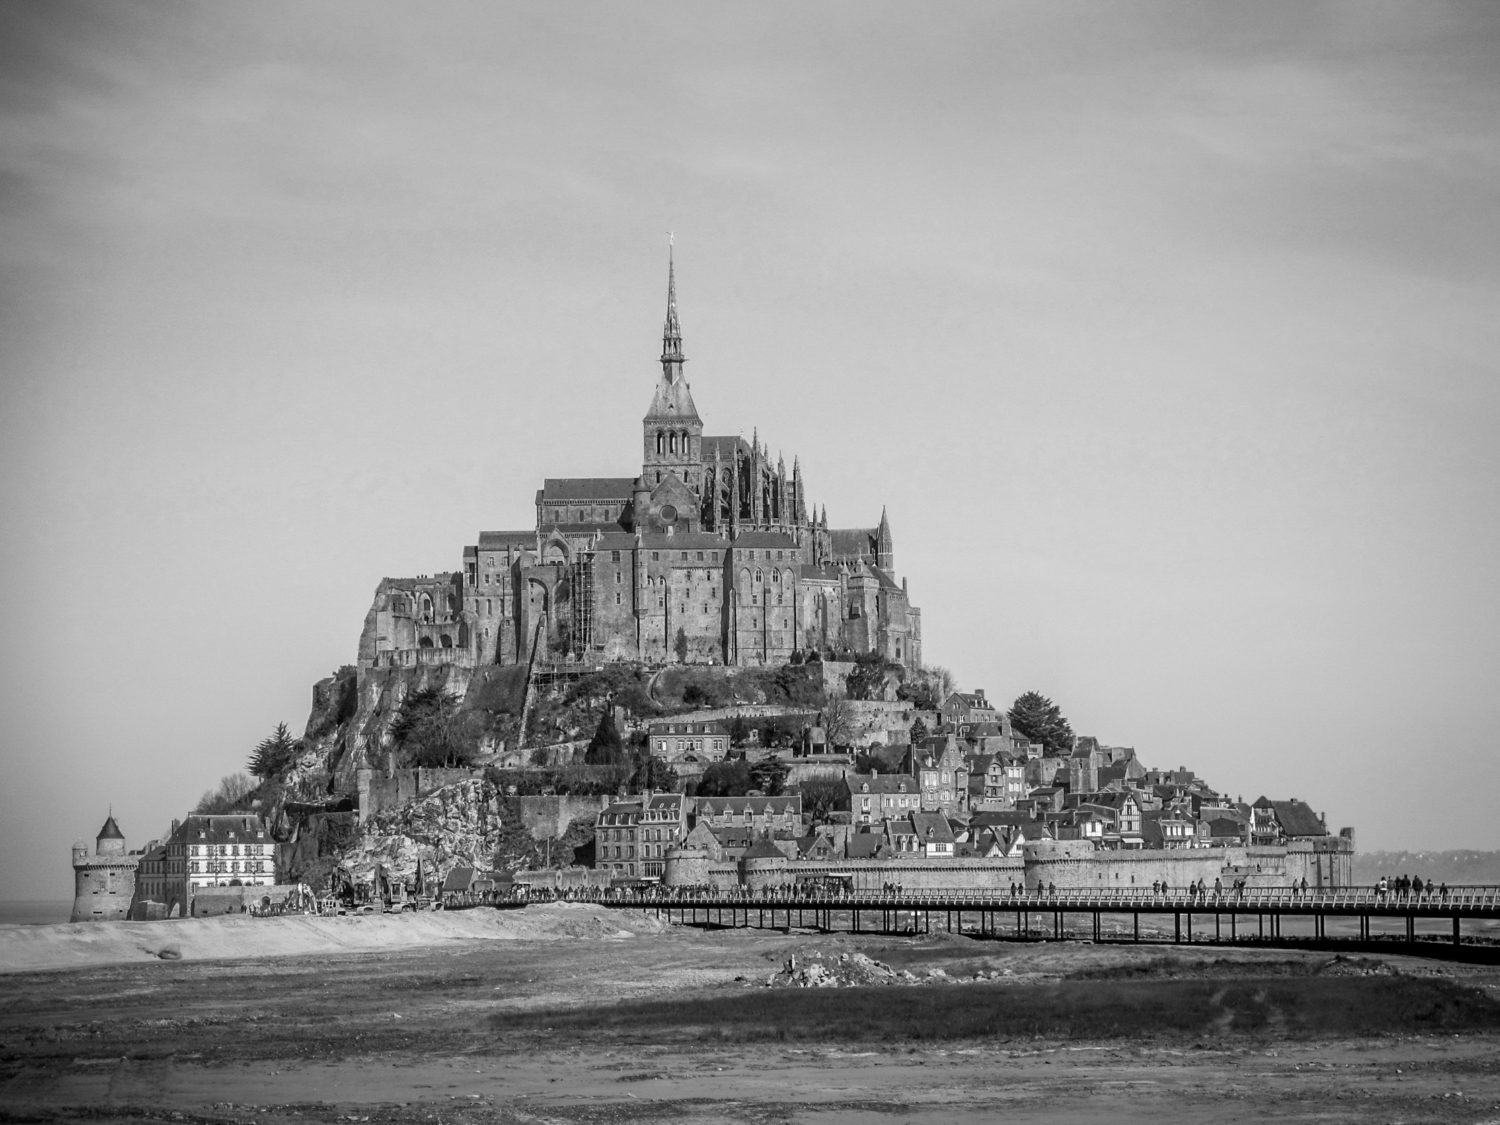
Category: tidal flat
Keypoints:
(576, 1014)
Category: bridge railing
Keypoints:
(1371, 899)
(1174, 898)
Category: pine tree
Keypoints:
(1039, 719)
(605, 748)
(273, 754)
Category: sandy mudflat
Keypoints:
(235, 937)
(575, 1014)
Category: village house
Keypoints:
(944, 777)
(934, 834)
(233, 850)
(632, 837)
(678, 739)
(874, 798)
(775, 816)
(1276, 822)
(962, 709)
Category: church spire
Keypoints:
(672, 358)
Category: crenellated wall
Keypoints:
(1065, 865)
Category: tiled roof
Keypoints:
(764, 849)
(727, 445)
(111, 830)
(750, 806)
(852, 542)
(618, 540)
(708, 727)
(1295, 817)
(821, 573)
(561, 490)
(932, 826)
(201, 828)
(881, 783)
(499, 540)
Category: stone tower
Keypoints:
(673, 432)
(103, 883)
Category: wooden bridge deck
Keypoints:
(1362, 917)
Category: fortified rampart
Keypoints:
(103, 883)
(1066, 865)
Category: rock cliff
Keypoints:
(458, 825)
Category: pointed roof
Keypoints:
(672, 401)
(671, 330)
(111, 830)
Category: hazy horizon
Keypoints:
(1165, 333)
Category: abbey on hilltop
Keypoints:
(710, 555)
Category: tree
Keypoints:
(1037, 718)
(725, 779)
(940, 678)
(838, 721)
(605, 748)
(233, 795)
(429, 731)
(274, 753)
(769, 776)
(821, 796)
(919, 731)
(652, 772)
(680, 646)
(778, 730)
(867, 678)
(739, 731)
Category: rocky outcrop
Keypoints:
(457, 825)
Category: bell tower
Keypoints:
(673, 432)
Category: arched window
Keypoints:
(671, 443)
(426, 608)
(660, 442)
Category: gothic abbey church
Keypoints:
(711, 555)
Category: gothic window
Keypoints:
(660, 442)
(759, 577)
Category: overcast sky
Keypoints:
(1167, 334)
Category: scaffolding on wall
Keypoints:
(581, 578)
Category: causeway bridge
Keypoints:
(1463, 923)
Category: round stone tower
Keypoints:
(103, 883)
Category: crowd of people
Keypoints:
(1409, 886)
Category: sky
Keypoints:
(1167, 334)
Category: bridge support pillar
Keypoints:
(1455, 930)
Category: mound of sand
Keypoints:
(234, 937)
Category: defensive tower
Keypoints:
(103, 883)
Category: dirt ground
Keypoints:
(459, 1030)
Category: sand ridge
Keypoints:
(236, 937)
